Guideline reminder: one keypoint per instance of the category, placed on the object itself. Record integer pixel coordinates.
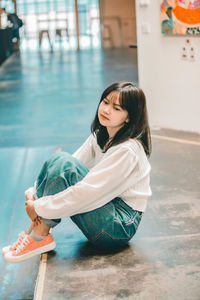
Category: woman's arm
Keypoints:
(107, 180)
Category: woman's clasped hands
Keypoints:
(30, 210)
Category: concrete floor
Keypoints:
(48, 101)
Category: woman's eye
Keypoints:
(105, 101)
(117, 108)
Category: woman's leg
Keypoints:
(57, 174)
(112, 225)
(109, 226)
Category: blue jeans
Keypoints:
(109, 226)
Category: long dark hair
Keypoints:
(132, 99)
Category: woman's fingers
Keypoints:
(31, 212)
(30, 209)
(37, 221)
(29, 197)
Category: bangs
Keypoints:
(123, 100)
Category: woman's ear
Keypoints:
(127, 120)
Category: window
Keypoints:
(58, 18)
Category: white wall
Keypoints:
(171, 84)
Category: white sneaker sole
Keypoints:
(14, 259)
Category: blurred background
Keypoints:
(58, 21)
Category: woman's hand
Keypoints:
(31, 210)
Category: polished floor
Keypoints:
(48, 100)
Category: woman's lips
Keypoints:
(104, 118)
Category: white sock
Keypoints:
(36, 237)
(29, 230)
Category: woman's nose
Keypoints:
(107, 109)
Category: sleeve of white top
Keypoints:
(86, 152)
(107, 180)
(31, 191)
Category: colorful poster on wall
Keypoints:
(180, 17)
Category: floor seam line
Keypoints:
(168, 237)
(39, 287)
(172, 139)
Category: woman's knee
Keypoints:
(64, 161)
(59, 164)
(57, 156)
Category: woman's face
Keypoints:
(110, 113)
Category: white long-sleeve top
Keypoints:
(123, 171)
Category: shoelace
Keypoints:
(21, 246)
(20, 238)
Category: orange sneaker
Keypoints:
(14, 245)
(29, 248)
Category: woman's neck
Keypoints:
(108, 142)
(111, 132)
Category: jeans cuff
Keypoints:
(51, 223)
